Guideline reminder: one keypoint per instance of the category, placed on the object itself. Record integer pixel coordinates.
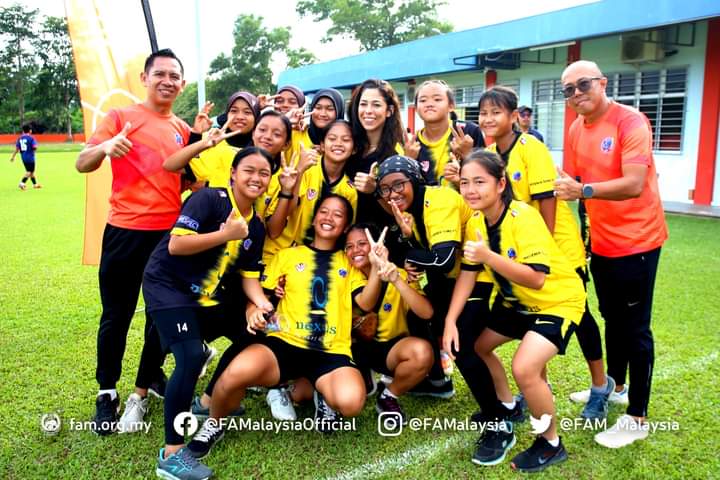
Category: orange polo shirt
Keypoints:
(597, 153)
(144, 195)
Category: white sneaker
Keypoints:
(386, 379)
(210, 353)
(625, 431)
(618, 398)
(132, 418)
(280, 404)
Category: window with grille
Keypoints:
(659, 94)
(549, 111)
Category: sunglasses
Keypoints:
(397, 187)
(584, 85)
(526, 114)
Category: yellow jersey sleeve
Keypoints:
(532, 237)
(214, 164)
(443, 212)
(292, 154)
(541, 172)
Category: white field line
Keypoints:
(426, 451)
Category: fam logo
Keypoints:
(188, 222)
(606, 145)
(342, 272)
(247, 243)
(516, 176)
(387, 307)
(300, 267)
(512, 254)
(179, 139)
(311, 193)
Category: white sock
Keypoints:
(554, 442)
(113, 393)
(509, 405)
(388, 393)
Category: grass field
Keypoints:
(50, 309)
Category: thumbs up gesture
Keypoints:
(566, 187)
(235, 226)
(452, 170)
(476, 251)
(119, 145)
(365, 182)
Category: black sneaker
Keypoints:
(106, 414)
(539, 456)
(326, 419)
(209, 434)
(426, 388)
(385, 404)
(515, 415)
(157, 387)
(496, 440)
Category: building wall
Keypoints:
(676, 169)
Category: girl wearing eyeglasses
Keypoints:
(430, 219)
(540, 300)
(532, 175)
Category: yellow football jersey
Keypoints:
(440, 152)
(317, 306)
(214, 164)
(532, 174)
(313, 185)
(522, 236)
(392, 315)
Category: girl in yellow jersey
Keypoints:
(540, 299)
(432, 146)
(392, 351)
(212, 165)
(327, 106)
(430, 220)
(316, 319)
(532, 174)
(314, 183)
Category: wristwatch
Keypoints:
(587, 191)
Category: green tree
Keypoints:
(17, 30)
(248, 67)
(56, 94)
(377, 23)
(186, 105)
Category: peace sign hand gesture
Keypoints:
(412, 146)
(288, 177)
(265, 100)
(461, 144)
(404, 220)
(202, 119)
(378, 253)
(217, 135)
(477, 251)
(452, 170)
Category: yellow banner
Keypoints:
(110, 44)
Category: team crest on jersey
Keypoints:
(523, 140)
(607, 144)
(300, 267)
(517, 176)
(425, 165)
(179, 139)
(427, 203)
(268, 200)
(513, 212)
(247, 243)
(512, 254)
(191, 223)
(311, 193)
(342, 272)
(222, 194)
(387, 307)
(263, 277)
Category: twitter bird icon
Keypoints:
(540, 425)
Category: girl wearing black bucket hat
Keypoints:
(431, 219)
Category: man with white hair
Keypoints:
(609, 147)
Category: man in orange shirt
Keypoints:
(609, 147)
(144, 204)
